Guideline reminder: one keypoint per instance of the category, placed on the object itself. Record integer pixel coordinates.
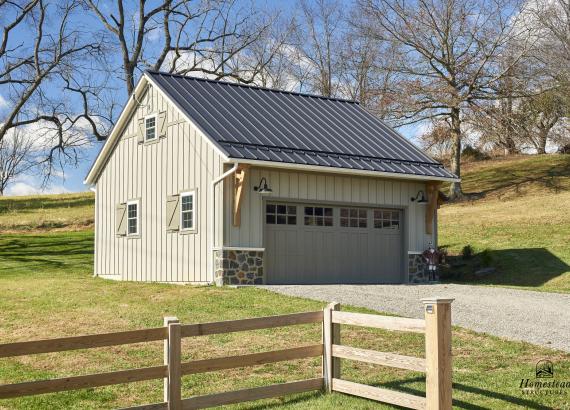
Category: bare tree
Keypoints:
(318, 42)
(448, 56)
(15, 157)
(187, 36)
(40, 47)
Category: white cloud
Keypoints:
(23, 188)
(3, 102)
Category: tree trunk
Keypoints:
(542, 138)
(455, 191)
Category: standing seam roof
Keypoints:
(261, 124)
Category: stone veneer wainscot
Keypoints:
(417, 269)
(234, 266)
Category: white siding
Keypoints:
(183, 160)
(312, 186)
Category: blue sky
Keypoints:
(71, 179)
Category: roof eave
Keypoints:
(317, 168)
(99, 162)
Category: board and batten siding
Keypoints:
(150, 172)
(332, 188)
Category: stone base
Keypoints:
(238, 267)
(417, 269)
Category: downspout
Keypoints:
(93, 188)
(213, 214)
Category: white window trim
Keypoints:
(194, 211)
(155, 116)
(137, 203)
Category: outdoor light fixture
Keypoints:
(262, 189)
(420, 198)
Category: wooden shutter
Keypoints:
(173, 213)
(121, 220)
(161, 124)
(141, 131)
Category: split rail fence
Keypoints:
(436, 365)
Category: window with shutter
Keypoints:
(188, 211)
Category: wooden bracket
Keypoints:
(239, 192)
(432, 194)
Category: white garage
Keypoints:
(325, 243)
(205, 181)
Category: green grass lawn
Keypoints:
(523, 221)
(46, 212)
(48, 291)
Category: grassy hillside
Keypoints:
(48, 291)
(519, 224)
(46, 212)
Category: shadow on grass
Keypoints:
(531, 267)
(519, 401)
(47, 252)
(507, 178)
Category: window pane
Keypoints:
(281, 209)
(362, 213)
(328, 212)
(281, 220)
(377, 214)
(328, 222)
(132, 226)
(309, 220)
(270, 219)
(385, 224)
(353, 213)
(319, 211)
(291, 220)
(186, 203)
(319, 221)
(378, 224)
(292, 210)
(187, 220)
(270, 208)
(343, 212)
(354, 223)
(362, 223)
(132, 210)
(395, 215)
(344, 222)
(396, 224)
(309, 210)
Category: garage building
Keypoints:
(206, 181)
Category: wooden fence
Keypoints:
(437, 364)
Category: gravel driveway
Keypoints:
(535, 317)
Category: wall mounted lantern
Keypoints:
(419, 198)
(262, 187)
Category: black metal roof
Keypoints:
(257, 123)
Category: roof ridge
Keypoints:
(255, 87)
(359, 156)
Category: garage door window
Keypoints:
(353, 218)
(280, 214)
(318, 216)
(384, 219)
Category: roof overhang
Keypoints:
(336, 170)
(115, 134)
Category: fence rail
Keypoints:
(436, 365)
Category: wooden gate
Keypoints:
(436, 365)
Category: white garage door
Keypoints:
(315, 243)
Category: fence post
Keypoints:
(438, 353)
(167, 320)
(174, 367)
(331, 335)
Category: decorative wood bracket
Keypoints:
(239, 192)
(432, 193)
